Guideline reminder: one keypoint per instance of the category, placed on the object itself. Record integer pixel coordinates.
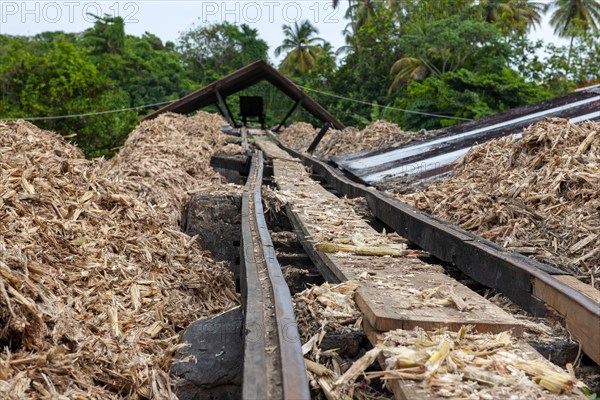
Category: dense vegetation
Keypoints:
(462, 59)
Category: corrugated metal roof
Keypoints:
(428, 159)
(241, 79)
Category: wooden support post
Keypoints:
(244, 130)
(318, 138)
(582, 322)
(224, 109)
(291, 114)
(230, 113)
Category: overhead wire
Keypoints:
(386, 107)
(87, 114)
(54, 117)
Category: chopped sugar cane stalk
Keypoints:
(459, 302)
(486, 377)
(360, 250)
(326, 385)
(378, 134)
(537, 195)
(556, 382)
(414, 374)
(317, 369)
(438, 357)
(324, 378)
(404, 357)
(308, 346)
(358, 367)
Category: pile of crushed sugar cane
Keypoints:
(539, 196)
(95, 282)
(333, 305)
(321, 311)
(377, 135)
(465, 364)
(299, 135)
(166, 158)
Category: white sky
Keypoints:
(167, 19)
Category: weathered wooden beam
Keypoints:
(318, 138)
(582, 322)
(235, 162)
(224, 109)
(291, 114)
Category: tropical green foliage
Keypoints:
(50, 76)
(512, 15)
(574, 18)
(570, 15)
(210, 52)
(449, 54)
(465, 94)
(446, 45)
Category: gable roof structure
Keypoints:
(241, 79)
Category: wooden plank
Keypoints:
(411, 390)
(582, 323)
(391, 291)
(329, 271)
(404, 305)
(255, 382)
(583, 288)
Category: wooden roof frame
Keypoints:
(241, 79)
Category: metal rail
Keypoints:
(273, 361)
(526, 282)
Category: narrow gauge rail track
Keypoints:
(273, 362)
(528, 283)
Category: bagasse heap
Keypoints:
(465, 364)
(378, 134)
(164, 158)
(94, 280)
(539, 195)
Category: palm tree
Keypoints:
(349, 14)
(529, 13)
(570, 15)
(584, 13)
(405, 69)
(360, 13)
(327, 50)
(515, 15)
(350, 45)
(302, 47)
